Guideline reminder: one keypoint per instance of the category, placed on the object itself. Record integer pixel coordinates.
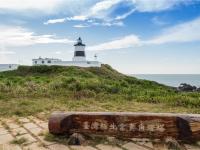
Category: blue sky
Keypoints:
(133, 36)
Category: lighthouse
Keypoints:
(79, 58)
(79, 52)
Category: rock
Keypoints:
(187, 87)
(76, 139)
(198, 89)
(171, 144)
(111, 139)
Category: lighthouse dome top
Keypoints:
(79, 42)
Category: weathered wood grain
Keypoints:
(128, 125)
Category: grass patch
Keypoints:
(46, 105)
(19, 141)
(5, 126)
(63, 139)
(92, 140)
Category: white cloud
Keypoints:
(184, 32)
(153, 6)
(125, 42)
(107, 24)
(25, 5)
(7, 52)
(157, 5)
(53, 21)
(45, 7)
(125, 15)
(93, 6)
(105, 10)
(57, 52)
(98, 10)
(77, 18)
(81, 26)
(61, 20)
(157, 21)
(103, 6)
(85, 9)
(18, 36)
(4, 54)
(86, 25)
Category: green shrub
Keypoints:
(19, 141)
(84, 94)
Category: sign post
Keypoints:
(128, 125)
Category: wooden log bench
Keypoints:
(184, 127)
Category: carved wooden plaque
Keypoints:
(127, 125)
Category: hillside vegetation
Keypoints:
(32, 89)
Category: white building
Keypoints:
(7, 67)
(45, 61)
(79, 58)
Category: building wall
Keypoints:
(79, 63)
(7, 67)
(47, 61)
(67, 63)
(79, 48)
(79, 58)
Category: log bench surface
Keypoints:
(184, 127)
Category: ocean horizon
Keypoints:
(171, 79)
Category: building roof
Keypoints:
(79, 42)
(40, 58)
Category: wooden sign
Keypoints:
(127, 125)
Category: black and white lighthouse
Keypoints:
(79, 52)
(79, 58)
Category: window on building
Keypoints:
(9, 66)
(49, 61)
(35, 62)
(80, 53)
(43, 62)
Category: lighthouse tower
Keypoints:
(79, 58)
(79, 52)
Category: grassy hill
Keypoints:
(29, 90)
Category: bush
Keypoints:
(75, 86)
(55, 85)
(84, 94)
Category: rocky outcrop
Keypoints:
(184, 87)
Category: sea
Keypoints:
(172, 79)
